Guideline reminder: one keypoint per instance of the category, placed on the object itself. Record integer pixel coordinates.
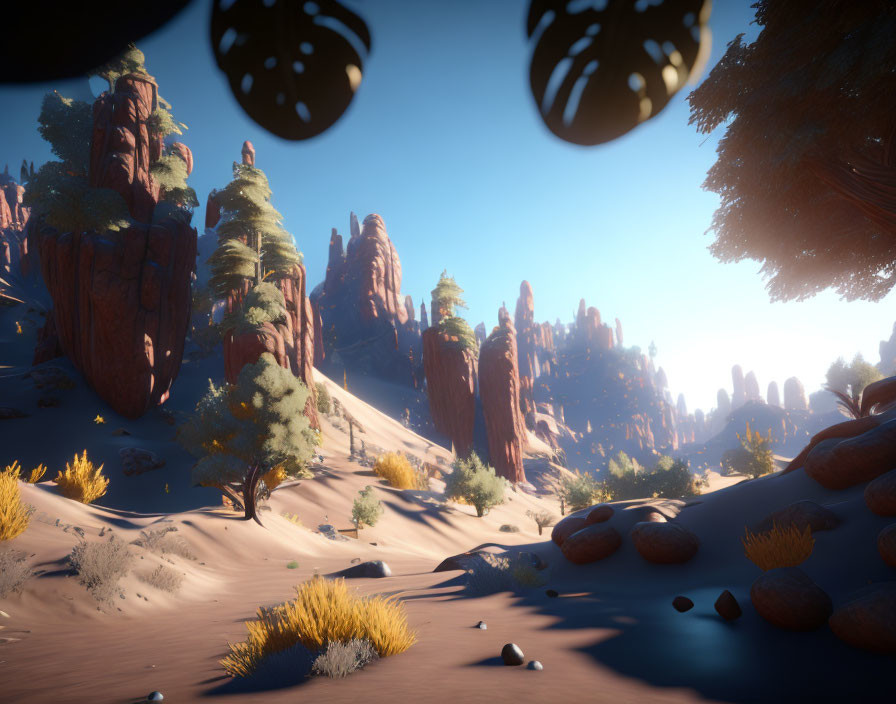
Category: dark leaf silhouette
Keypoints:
(48, 41)
(599, 68)
(292, 66)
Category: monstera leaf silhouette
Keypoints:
(293, 66)
(601, 67)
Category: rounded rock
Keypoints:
(600, 514)
(664, 543)
(552, 593)
(566, 527)
(593, 543)
(154, 697)
(682, 604)
(482, 626)
(886, 544)
(788, 599)
(867, 619)
(880, 494)
(511, 654)
(534, 665)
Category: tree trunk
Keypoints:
(250, 489)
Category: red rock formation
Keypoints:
(212, 211)
(247, 347)
(618, 333)
(319, 354)
(450, 382)
(13, 218)
(739, 397)
(366, 319)
(499, 389)
(773, 397)
(248, 152)
(300, 335)
(794, 395)
(424, 321)
(751, 388)
(122, 303)
(184, 152)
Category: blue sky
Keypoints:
(443, 140)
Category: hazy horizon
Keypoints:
(443, 141)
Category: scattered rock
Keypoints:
(330, 532)
(867, 619)
(886, 544)
(512, 655)
(482, 626)
(664, 543)
(534, 665)
(154, 697)
(599, 515)
(727, 607)
(355, 560)
(120, 431)
(800, 515)
(787, 598)
(47, 402)
(8, 413)
(566, 527)
(373, 569)
(552, 593)
(509, 528)
(880, 495)
(592, 543)
(682, 604)
(135, 460)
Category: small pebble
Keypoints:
(482, 626)
(552, 593)
(534, 665)
(682, 604)
(512, 655)
(154, 697)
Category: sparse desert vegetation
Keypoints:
(323, 611)
(397, 469)
(81, 480)
(780, 547)
(475, 483)
(14, 571)
(100, 565)
(341, 659)
(14, 514)
(366, 509)
(163, 578)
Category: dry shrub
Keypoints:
(81, 481)
(33, 477)
(489, 574)
(396, 469)
(341, 659)
(324, 611)
(14, 572)
(163, 578)
(158, 541)
(14, 515)
(779, 547)
(100, 566)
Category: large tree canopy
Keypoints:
(806, 170)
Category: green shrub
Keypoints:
(367, 509)
(580, 491)
(476, 484)
(324, 403)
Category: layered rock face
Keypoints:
(499, 389)
(368, 327)
(451, 387)
(122, 300)
(13, 218)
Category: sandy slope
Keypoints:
(611, 636)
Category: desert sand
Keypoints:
(611, 636)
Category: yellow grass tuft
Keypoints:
(323, 612)
(14, 515)
(99, 420)
(274, 477)
(294, 519)
(396, 469)
(81, 481)
(779, 547)
(37, 474)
